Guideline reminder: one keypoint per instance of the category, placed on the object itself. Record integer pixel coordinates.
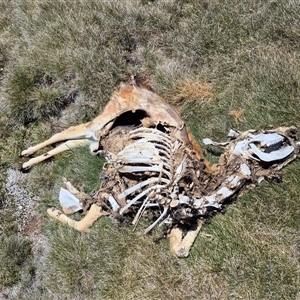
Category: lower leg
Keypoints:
(59, 149)
(94, 214)
(181, 246)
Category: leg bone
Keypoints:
(94, 214)
(61, 148)
(181, 246)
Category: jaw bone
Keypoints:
(273, 143)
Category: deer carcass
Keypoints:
(156, 165)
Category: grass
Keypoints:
(60, 62)
(16, 253)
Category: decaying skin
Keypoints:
(156, 168)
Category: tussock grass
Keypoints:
(59, 63)
(189, 91)
(15, 253)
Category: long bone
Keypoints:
(93, 214)
(141, 185)
(140, 195)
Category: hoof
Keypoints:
(23, 170)
(46, 207)
(20, 154)
(182, 253)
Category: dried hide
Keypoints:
(156, 168)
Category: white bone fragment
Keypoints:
(241, 148)
(233, 134)
(274, 155)
(181, 167)
(210, 199)
(69, 202)
(184, 199)
(180, 170)
(168, 151)
(163, 153)
(174, 203)
(156, 136)
(70, 187)
(176, 145)
(225, 192)
(140, 185)
(136, 198)
(146, 131)
(245, 170)
(134, 169)
(216, 205)
(198, 203)
(208, 141)
(139, 152)
(114, 204)
(139, 213)
(158, 220)
(260, 179)
(152, 205)
(173, 195)
(266, 139)
(233, 181)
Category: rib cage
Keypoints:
(147, 171)
(149, 155)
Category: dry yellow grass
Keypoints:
(191, 91)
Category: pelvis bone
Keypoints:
(156, 168)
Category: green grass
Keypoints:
(17, 257)
(60, 62)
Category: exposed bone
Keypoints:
(247, 148)
(245, 170)
(94, 214)
(266, 139)
(274, 156)
(150, 133)
(208, 141)
(184, 199)
(181, 246)
(139, 213)
(135, 169)
(114, 204)
(241, 148)
(179, 171)
(142, 194)
(174, 203)
(139, 152)
(157, 221)
(233, 134)
(70, 204)
(140, 185)
(70, 187)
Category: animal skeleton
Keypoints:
(155, 164)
